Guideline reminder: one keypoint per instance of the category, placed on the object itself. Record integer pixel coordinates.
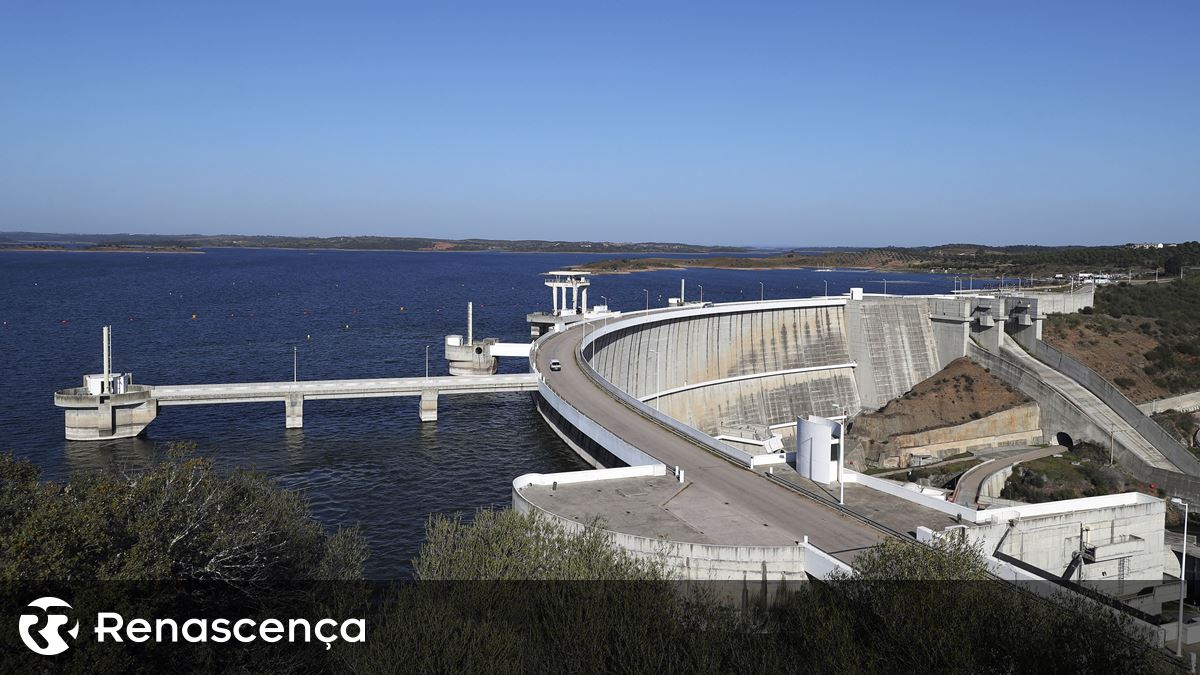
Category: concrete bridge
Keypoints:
(98, 413)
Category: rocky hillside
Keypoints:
(960, 392)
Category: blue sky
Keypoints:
(741, 123)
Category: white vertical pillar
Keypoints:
(574, 298)
(106, 387)
(470, 323)
(585, 299)
(554, 297)
(682, 290)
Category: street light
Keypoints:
(841, 453)
(647, 299)
(826, 288)
(762, 292)
(1182, 570)
(1111, 442)
(701, 294)
(657, 381)
(427, 362)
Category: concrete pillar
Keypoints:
(574, 299)
(554, 297)
(106, 387)
(585, 299)
(470, 323)
(428, 406)
(989, 337)
(105, 420)
(294, 411)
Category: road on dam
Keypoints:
(725, 502)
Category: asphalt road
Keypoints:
(727, 502)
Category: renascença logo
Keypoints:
(51, 633)
(111, 626)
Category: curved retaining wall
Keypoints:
(718, 345)
(758, 363)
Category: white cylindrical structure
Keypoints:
(816, 455)
(682, 290)
(470, 324)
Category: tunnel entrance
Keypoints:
(1064, 439)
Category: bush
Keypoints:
(179, 520)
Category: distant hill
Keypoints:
(356, 243)
(962, 259)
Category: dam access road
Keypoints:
(719, 500)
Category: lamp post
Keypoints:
(701, 294)
(647, 299)
(826, 288)
(841, 454)
(1182, 571)
(427, 362)
(1111, 442)
(762, 292)
(657, 381)
(295, 363)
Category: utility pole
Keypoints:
(1182, 573)
(1111, 443)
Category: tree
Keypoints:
(180, 520)
(1173, 264)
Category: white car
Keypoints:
(555, 365)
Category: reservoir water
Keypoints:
(231, 315)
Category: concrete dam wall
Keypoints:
(892, 341)
(766, 366)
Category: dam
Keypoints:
(716, 433)
(690, 417)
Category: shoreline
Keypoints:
(48, 249)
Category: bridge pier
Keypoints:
(294, 410)
(428, 407)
